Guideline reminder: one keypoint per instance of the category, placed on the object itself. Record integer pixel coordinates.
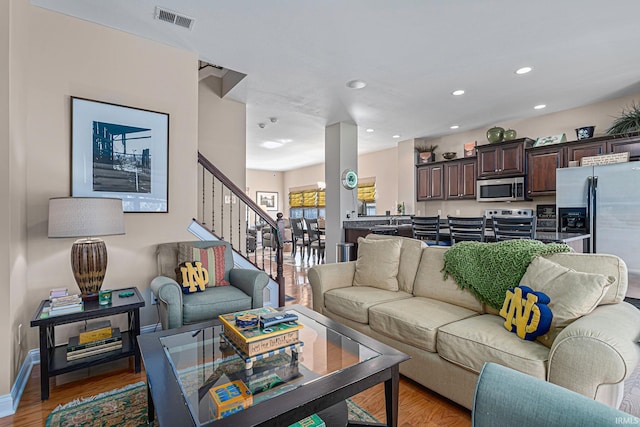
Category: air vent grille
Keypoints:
(174, 18)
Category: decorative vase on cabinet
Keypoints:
(510, 134)
(495, 134)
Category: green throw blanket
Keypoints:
(489, 269)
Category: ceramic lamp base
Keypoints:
(89, 265)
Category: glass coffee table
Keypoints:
(185, 367)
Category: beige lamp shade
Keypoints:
(86, 217)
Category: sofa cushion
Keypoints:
(415, 321)
(353, 302)
(192, 277)
(473, 341)
(573, 294)
(377, 264)
(430, 282)
(207, 305)
(410, 255)
(608, 265)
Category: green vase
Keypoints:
(509, 134)
(495, 134)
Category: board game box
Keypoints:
(254, 340)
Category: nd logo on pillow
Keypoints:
(194, 277)
(526, 312)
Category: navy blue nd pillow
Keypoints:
(526, 312)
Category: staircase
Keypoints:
(229, 214)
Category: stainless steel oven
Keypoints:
(500, 190)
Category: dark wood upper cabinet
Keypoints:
(575, 152)
(430, 182)
(541, 166)
(621, 145)
(461, 179)
(502, 159)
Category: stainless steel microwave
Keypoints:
(500, 190)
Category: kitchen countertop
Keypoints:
(383, 223)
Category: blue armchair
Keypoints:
(178, 309)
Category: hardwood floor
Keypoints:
(418, 406)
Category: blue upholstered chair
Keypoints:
(505, 397)
(178, 309)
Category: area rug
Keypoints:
(127, 407)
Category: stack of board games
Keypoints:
(255, 339)
(96, 338)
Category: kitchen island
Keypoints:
(401, 226)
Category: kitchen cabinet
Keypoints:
(502, 159)
(430, 182)
(541, 169)
(575, 152)
(627, 144)
(460, 180)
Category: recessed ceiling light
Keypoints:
(454, 127)
(457, 92)
(523, 70)
(356, 84)
(369, 130)
(396, 136)
(540, 106)
(271, 144)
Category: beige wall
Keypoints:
(68, 57)
(222, 131)
(13, 292)
(258, 180)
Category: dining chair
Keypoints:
(513, 228)
(426, 228)
(466, 228)
(300, 238)
(316, 242)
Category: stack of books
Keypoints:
(65, 305)
(96, 338)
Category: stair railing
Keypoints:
(230, 214)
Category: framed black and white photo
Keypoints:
(267, 200)
(119, 151)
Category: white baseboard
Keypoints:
(9, 402)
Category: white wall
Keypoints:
(68, 56)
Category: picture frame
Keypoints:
(119, 151)
(268, 199)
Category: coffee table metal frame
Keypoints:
(165, 396)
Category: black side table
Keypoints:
(53, 360)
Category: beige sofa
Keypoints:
(449, 334)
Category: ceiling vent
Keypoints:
(175, 18)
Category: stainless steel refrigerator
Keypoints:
(611, 196)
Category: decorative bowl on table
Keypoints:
(449, 155)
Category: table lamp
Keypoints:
(86, 217)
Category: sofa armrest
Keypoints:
(251, 282)
(169, 295)
(597, 352)
(325, 277)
